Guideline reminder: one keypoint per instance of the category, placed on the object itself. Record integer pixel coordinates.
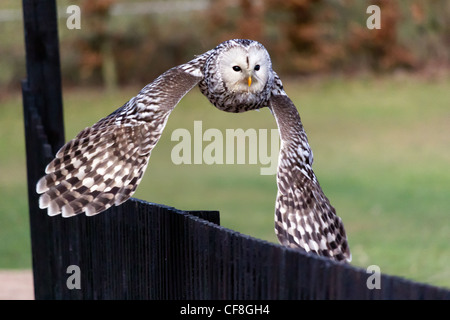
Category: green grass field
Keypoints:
(382, 155)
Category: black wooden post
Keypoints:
(43, 117)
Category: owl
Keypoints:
(104, 164)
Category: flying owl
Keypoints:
(104, 164)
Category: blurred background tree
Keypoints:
(95, 48)
(380, 48)
(126, 42)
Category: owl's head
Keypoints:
(244, 66)
(238, 76)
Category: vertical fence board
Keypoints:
(44, 131)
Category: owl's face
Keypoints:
(245, 70)
(238, 76)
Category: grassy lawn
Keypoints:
(382, 155)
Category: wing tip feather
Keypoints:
(41, 185)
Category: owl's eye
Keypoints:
(237, 68)
(257, 67)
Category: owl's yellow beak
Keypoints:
(249, 81)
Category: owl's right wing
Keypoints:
(304, 216)
(103, 164)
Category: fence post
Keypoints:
(43, 119)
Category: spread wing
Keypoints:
(304, 216)
(103, 164)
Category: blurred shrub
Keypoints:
(303, 37)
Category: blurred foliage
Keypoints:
(304, 37)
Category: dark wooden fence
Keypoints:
(148, 251)
(141, 250)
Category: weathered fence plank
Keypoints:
(44, 130)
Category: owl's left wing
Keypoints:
(104, 164)
(304, 216)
